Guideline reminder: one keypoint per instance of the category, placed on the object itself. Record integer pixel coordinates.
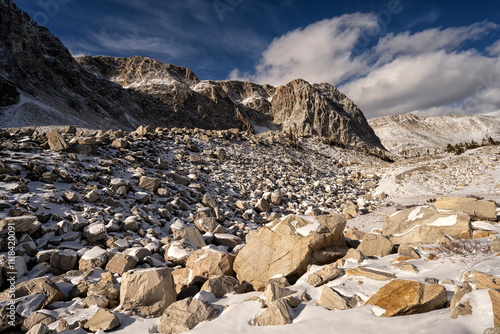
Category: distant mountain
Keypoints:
(42, 84)
(413, 134)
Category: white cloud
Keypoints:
(321, 52)
(494, 49)
(426, 72)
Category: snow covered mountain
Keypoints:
(413, 134)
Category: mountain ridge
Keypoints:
(53, 88)
(417, 134)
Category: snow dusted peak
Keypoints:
(410, 133)
(134, 72)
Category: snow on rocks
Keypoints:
(427, 227)
(287, 250)
(201, 205)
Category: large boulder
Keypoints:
(285, 247)
(403, 297)
(209, 263)
(149, 291)
(475, 208)
(184, 315)
(374, 244)
(425, 224)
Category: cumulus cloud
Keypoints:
(428, 72)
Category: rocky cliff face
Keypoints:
(45, 85)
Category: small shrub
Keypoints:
(463, 247)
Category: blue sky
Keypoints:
(390, 56)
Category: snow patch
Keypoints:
(445, 221)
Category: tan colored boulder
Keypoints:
(403, 297)
(121, 263)
(485, 281)
(184, 315)
(495, 303)
(334, 301)
(149, 291)
(223, 285)
(425, 225)
(100, 301)
(475, 208)
(276, 288)
(324, 275)
(209, 263)
(56, 141)
(42, 285)
(354, 255)
(370, 273)
(288, 244)
(275, 315)
(374, 244)
(102, 320)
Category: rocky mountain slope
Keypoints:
(168, 230)
(44, 85)
(413, 134)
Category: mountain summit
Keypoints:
(44, 85)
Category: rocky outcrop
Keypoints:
(288, 244)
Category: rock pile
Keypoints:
(151, 216)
